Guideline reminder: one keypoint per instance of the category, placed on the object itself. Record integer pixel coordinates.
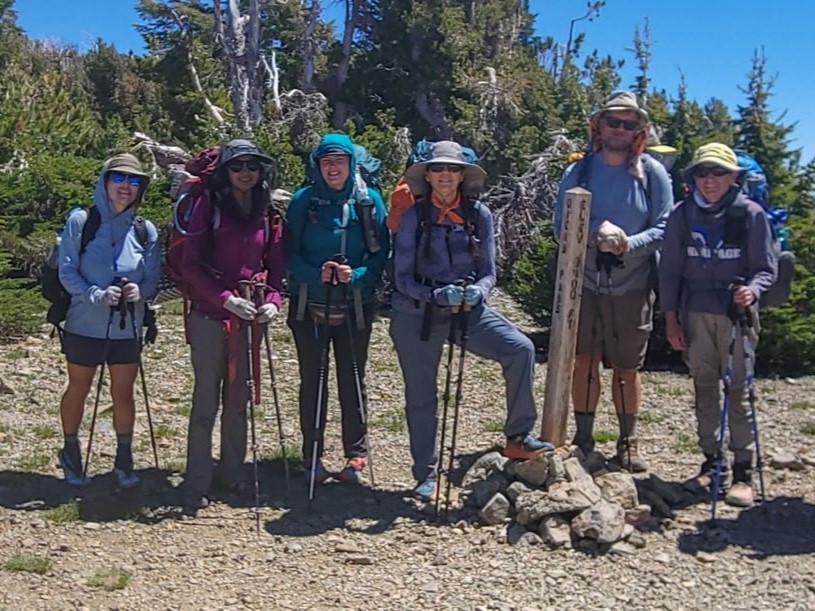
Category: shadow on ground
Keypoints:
(158, 497)
(782, 526)
(98, 502)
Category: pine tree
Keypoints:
(764, 138)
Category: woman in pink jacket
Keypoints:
(233, 236)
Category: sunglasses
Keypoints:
(437, 168)
(119, 178)
(705, 171)
(237, 166)
(627, 124)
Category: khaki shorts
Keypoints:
(617, 325)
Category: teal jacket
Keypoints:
(315, 227)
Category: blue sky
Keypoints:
(711, 43)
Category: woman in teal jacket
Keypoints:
(330, 260)
(115, 268)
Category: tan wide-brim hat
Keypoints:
(715, 153)
(622, 100)
(125, 163)
(449, 153)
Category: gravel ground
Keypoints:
(372, 547)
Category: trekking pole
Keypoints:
(341, 259)
(131, 307)
(465, 316)
(321, 383)
(451, 342)
(606, 261)
(728, 380)
(259, 292)
(246, 289)
(746, 322)
(105, 349)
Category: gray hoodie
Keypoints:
(115, 251)
(698, 267)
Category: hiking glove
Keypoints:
(240, 307)
(473, 295)
(450, 295)
(109, 296)
(267, 312)
(130, 292)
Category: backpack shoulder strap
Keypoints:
(140, 225)
(735, 223)
(584, 171)
(89, 229)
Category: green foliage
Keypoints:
(110, 579)
(28, 563)
(604, 436)
(67, 512)
(531, 280)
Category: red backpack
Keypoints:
(187, 196)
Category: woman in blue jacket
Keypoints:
(335, 237)
(114, 268)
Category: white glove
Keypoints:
(130, 291)
(240, 307)
(611, 238)
(267, 312)
(110, 296)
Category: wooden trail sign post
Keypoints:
(565, 314)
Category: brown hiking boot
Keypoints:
(629, 446)
(740, 493)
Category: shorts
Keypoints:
(617, 325)
(90, 351)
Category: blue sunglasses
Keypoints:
(118, 178)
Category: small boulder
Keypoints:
(496, 510)
(638, 515)
(602, 522)
(535, 471)
(787, 460)
(483, 467)
(516, 489)
(557, 472)
(482, 490)
(574, 470)
(555, 532)
(619, 488)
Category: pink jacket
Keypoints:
(216, 258)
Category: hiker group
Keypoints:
(233, 256)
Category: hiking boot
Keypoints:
(321, 475)
(584, 435)
(72, 469)
(740, 493)
(708, 471)
(352, 472)
(525, 447)
(629, 446)
(426, 491)
(126, 479)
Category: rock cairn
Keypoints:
(566, 499)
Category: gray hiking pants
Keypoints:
(708, 342)
(209, 351)
(491, 336)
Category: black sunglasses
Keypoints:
(711, 170)
(237, 166)
(437, 168)
(627, 124)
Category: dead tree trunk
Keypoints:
(308, 47)
(239, 35)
